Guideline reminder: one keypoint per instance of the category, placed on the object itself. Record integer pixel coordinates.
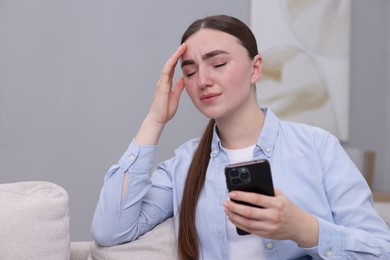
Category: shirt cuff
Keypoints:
(139, 158)
(330, 241)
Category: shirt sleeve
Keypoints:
(357, 231)
(118, 220)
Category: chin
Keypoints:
(211, 114)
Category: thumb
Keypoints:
(178, 88)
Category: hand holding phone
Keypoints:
(253, 176)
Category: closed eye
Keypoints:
(220, 65)
(189, 74)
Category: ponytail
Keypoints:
(188, 241)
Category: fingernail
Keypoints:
(232, 195)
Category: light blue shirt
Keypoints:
(308, 165)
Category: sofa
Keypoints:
(34, 224)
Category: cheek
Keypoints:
(239, 83)
(189, 89)
(187, 85)
(240, 76)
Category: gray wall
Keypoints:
(77, 78)
(387, 119)
(370, 96)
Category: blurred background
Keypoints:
(77, 79)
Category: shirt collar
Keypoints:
(269, 133)
(267, 139)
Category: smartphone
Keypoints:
(253, 176)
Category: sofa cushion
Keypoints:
(79, 250)
(34, 221)
(158, 243)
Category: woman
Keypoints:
(322, 205)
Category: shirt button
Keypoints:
(269, 246)
(131, 157)
(215, 152)
(329, 254)
(268, 149)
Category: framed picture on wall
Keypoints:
(305, 49)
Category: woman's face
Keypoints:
(218, 73)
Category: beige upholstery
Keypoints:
(159, 243)
(80, 250)
(34, 221)
(34, 225)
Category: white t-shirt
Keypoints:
(247, 246)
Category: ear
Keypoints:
(257, 68)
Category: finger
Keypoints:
(248, 212)
(247, 224)
(178, 89)
(171, 63)
(256, 227)
(238, 221)
(252, 198)
(164, 83)
(259, 221)
(178, 53)
(233, 208)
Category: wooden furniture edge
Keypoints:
(381, 196)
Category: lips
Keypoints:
(209, 96)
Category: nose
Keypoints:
(204, 78)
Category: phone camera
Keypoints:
(236, 181)
(244, 173)
(234, 173)
(239, 176)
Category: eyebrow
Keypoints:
(206, 56)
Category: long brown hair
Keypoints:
(188, 240)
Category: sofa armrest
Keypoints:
(79, 250)
(34, 221)
(158, 243)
